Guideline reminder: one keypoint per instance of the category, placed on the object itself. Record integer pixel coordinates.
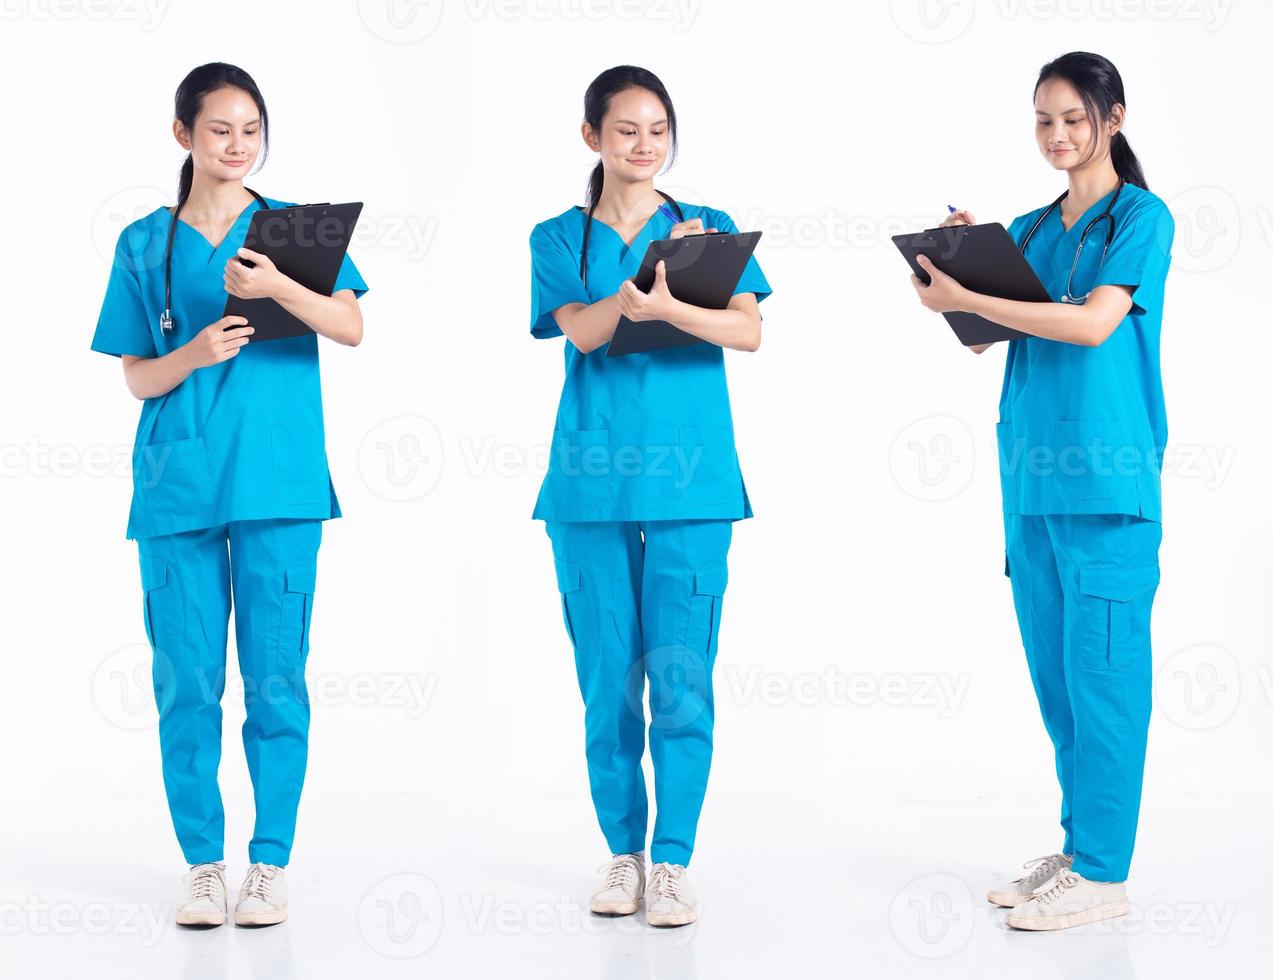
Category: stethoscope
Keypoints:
(587, 232)
(1106, 215)
(165, 318)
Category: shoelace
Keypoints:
(205, 881)
(258, 882)
(1043, 867)
(620, 872)
(666, 880)
(1055, 889)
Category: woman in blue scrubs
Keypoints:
(230, 487)
(1082, 433)
(642, 490)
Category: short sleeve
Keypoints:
(349, 278)
(752, 280)
(122, 326)
(554, 282)
(1139, 256)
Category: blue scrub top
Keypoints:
(240, 440)
(644, 436)
(1083, 429)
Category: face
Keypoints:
(226, 138)
(634, 139)
(1065, 133)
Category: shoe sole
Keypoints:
(260, 918)
(201, 918)
(613, 909)
(672, 919)
(1046, 923)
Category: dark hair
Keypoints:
(194, 88)
(1101, 88)
(596, 103)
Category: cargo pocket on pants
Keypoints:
(298, 602)
(567, 582)
(1114, 614)
(705, 607)
(154, 576)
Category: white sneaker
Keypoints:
(263, 897)
(202, 901)
(1068, 900)
(670, 899)
(621, 888)
(1022, 890)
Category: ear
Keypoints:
(590, 137)
(1117, 116)
(179, 133)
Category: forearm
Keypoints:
(335, 317)
(1067, 323)
(732, 328)
(150, 377)
(589, 327)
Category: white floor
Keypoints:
(791, 887)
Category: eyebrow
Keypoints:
(254, 122)
(1063, 112)
(661, 122)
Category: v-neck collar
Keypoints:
(1086, 216)
(625, 248)
(251, 205)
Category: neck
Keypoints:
(1091, 182)
(210, 196)
(623, 202)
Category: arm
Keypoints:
(150, 377)
(736, 327)
(1086, 325)
(336, 317)
(589, 326)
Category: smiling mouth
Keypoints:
(234, 163)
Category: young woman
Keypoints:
(642, 488)
(1081, 440)
(230, 486)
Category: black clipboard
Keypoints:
(701, 270)
(308, 243)
(985, 259)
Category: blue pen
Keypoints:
(669, 212)
(951, 208)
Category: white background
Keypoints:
(880, 758)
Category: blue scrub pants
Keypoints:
(268, 566)
(643, 600)
(1084, 585)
